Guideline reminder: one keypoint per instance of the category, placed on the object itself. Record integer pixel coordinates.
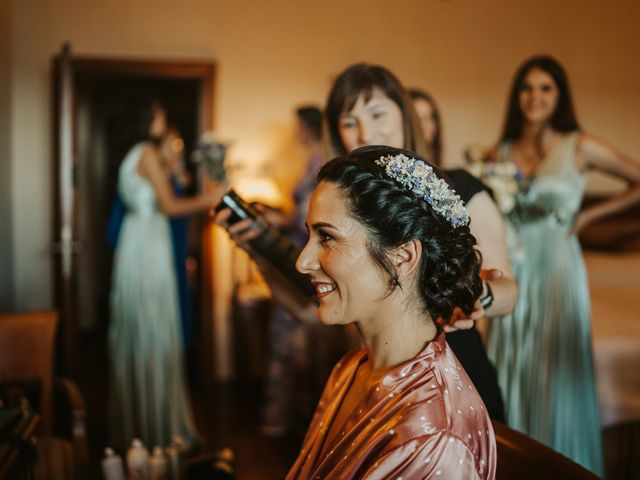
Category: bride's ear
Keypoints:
(406, 259)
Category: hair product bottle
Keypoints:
(158, 467)
(175, 454)
(112, 467)
(137, 461)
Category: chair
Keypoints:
(621, 444)
(523, 458)
(26, 358)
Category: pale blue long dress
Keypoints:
(542, 351)
(148, 394)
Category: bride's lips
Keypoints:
(323, 288)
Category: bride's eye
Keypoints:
(324, 236)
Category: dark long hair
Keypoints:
(436, 144)
(360, 79)
(311, 117)
(563, 118)
(448, 275)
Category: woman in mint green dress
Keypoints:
(543, 349)
(148, 392)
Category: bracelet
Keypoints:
(487, 299)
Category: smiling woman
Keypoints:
(390, 250)
(372, 122)
(543, 349)
(347, 281)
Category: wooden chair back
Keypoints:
(524, 458)
(621, 443)
(26, 354)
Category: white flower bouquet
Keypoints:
(209, 154)
(501, 176)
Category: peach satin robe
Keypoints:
(423, 419)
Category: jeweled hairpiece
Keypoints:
(417, 176)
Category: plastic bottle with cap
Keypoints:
(158, 467)
(112, 467)
(137, 461)
(175, 454)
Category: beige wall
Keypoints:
(274, 54)
(6, 241)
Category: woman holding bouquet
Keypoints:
(543, 349)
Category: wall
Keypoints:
(6, 240)
(274, 55)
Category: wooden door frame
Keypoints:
(203, 71)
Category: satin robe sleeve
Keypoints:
(439, 456)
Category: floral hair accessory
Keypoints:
(417, 176)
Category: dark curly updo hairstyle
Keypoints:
(448, 275)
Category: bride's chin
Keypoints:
(327, 319)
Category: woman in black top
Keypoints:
(467, 344)
(366, 106)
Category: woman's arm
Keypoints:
(488, 228)
(284, 292)
(596, 154)
(168, 203)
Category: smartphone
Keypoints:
(240, 209)
(271, 244)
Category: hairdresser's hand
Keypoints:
(274, 216)
(490, 274)
(461, 321)
(240, 232)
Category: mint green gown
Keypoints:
(148, 395)
(542, 351)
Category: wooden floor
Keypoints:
(228, 415)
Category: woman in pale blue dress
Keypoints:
(148, 391)
(543, 349)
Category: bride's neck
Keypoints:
(398, 335)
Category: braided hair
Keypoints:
(448, 274)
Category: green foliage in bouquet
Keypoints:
(209, 154)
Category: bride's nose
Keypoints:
(307, 261)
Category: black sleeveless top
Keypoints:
(467, 344)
